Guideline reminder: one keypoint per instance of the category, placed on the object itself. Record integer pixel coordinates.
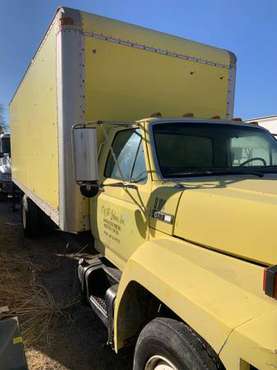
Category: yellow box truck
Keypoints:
(90, 68)
(181, 205)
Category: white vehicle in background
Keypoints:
(5, 165)
(269, 123)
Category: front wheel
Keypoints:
(167, 344)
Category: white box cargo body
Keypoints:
(90, 68)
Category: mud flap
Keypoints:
(12, 356)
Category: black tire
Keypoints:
(176, 343)
(31, 217)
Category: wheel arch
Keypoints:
(154, 274)
(147, 307)
(138, 306)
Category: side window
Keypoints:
(125, 147)
(139, 173)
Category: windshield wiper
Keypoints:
(254, 173)
(215, 173)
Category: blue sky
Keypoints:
(247, 27)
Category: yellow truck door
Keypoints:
(121, 224)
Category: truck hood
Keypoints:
(235, 215)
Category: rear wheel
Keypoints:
(167, 344)
(31, 217)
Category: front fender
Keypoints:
(212, 292)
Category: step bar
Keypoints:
(99, 283)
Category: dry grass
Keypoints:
(27, 298)
(40, 361)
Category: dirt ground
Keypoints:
(76, 338)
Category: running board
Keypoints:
(99, 283)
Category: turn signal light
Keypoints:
(270, 281)
(215, 117)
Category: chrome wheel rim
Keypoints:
(158, 362)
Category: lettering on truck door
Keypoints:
(121, 207)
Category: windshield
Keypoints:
(185, 149)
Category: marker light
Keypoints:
(215, 117)
(188, 115)
(270, 281)
(67, 21)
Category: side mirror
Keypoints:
(85, 159)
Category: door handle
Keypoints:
(129, 186)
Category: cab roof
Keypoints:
(196, 120)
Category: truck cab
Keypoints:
(183, 220)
